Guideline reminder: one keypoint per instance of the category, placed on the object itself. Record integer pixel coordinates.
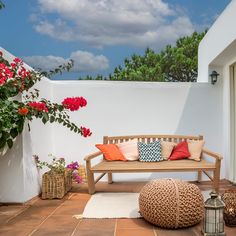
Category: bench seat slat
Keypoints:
(137, 166)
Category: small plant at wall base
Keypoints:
(58, 166)
(15, 79)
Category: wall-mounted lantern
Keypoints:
(213, 224)
(214, 76)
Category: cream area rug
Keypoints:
(112, 205)
(116, 205)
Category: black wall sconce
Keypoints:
(214, 76)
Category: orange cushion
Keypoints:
(111, 152)
(180, 151)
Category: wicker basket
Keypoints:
(82, 173)
(229, 198)
(55, 185)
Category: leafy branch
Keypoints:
(2, 5)
(59, 70)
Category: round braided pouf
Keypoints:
(171, 203)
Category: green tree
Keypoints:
(1, 5)
(174, 63)
(180, 63)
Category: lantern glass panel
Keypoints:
(213, 222)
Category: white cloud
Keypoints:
(83, 61)
(111, 22)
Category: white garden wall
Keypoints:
(123, 108)
(219, 44)
(115, 108)
(217, 51)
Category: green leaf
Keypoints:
(44, 120)
(2, 142)
(52, 119)
(20, 126)
(45, 116)
(10, 143)
(14, 132)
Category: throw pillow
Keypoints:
(166, 149)
(180, 151)
(129, 150)
(111, 152)
(195, 149)
(150, 152)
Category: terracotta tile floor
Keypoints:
(55, 217)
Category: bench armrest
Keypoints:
(92, 156)
(212, 154)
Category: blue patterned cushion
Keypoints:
(150, 152)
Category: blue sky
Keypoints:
(98, 34)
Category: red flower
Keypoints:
(3, 80)
(17, 60)
(23, 111)
(5, 73)
(38, 106)
(74, 103)
(85, 132)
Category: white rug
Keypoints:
(116, 205)
(112, 205)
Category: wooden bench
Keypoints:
(109, 167)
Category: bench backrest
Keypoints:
(150, 138)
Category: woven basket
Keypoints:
(229, 198)
(55, 185)
(82, 173)
(171, 203)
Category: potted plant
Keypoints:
(57, 181)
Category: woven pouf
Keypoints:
(171, 203)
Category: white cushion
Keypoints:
(129, 150)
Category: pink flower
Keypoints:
(74, 103)
(77, 178)
(85, 132)
(73, 166)
(38, 106)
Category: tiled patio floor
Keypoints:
(55, 217)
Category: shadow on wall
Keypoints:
(201, 119)
(11, 169)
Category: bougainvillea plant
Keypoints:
(58, 165)
(15, 79)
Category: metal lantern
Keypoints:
(213, 217)
(214, 76)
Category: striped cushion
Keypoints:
(150, 152)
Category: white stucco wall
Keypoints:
(115, 108)
(217, 51)
(19, 179)
(123, 108)
(218, 45)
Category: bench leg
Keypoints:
(199, 176)
(109, 176)
(216, 181)
(91, 183)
